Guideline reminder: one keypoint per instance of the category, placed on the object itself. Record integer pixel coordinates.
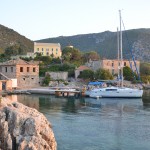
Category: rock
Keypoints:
(24, 128)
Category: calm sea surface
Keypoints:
(96, 124)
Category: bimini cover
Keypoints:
(95, 83)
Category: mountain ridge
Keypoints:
(9, 37)
(105, 43)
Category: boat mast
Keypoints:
(121, 58)
(118, 55)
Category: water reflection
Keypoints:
(107, 124)
(70, 106)
(146, 100)
(73, 105)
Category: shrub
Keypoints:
(87, 74)
(103, 74)
(145, 79)
(129, 74)
(65, 83)
(46, 80)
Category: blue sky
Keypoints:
(39, 19)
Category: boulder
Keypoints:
(24, 128)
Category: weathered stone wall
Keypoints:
(58, 75)
(94, 65)
(27, 78)
(24, 128)
(26, 73)
(77, 73)
(25, 81)
(9, 71)
(112, 65)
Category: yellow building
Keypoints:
(48, 49)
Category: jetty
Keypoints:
(67, 93)
(57, 91)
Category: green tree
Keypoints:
(103, 74)
(129, 74)
(45, 59)
(37, 54)
(46, 80)
(72, 55)
(14, 50)
(145, 79)
(145, 68)
(92, 55)
(87, 74)
(4, 57)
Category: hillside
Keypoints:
(9, 37)
(105, 43)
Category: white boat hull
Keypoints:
(115, 92)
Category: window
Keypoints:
(28, 69)
(24, 79)
(21, 69)
(56, 50)
(11, 69)
(37, 49)
(47, 53)
(42, 49)
(5, 69)
(52, 49)
(125, 64)
(32, 78)
(112, 64)
(34, 69)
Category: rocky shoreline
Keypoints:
(24, 128)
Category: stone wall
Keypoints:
(27, 78)
(9, 71)
(58, 75)
(25, 81)
(26, 73)
(94, 65)
(111, 65)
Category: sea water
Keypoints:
(96, 124)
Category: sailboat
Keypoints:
(117, 92)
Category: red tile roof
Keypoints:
(18, 62)
(83, 68)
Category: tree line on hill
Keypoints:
(105, 43)
(73, 58)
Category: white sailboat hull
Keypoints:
(116, 92)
